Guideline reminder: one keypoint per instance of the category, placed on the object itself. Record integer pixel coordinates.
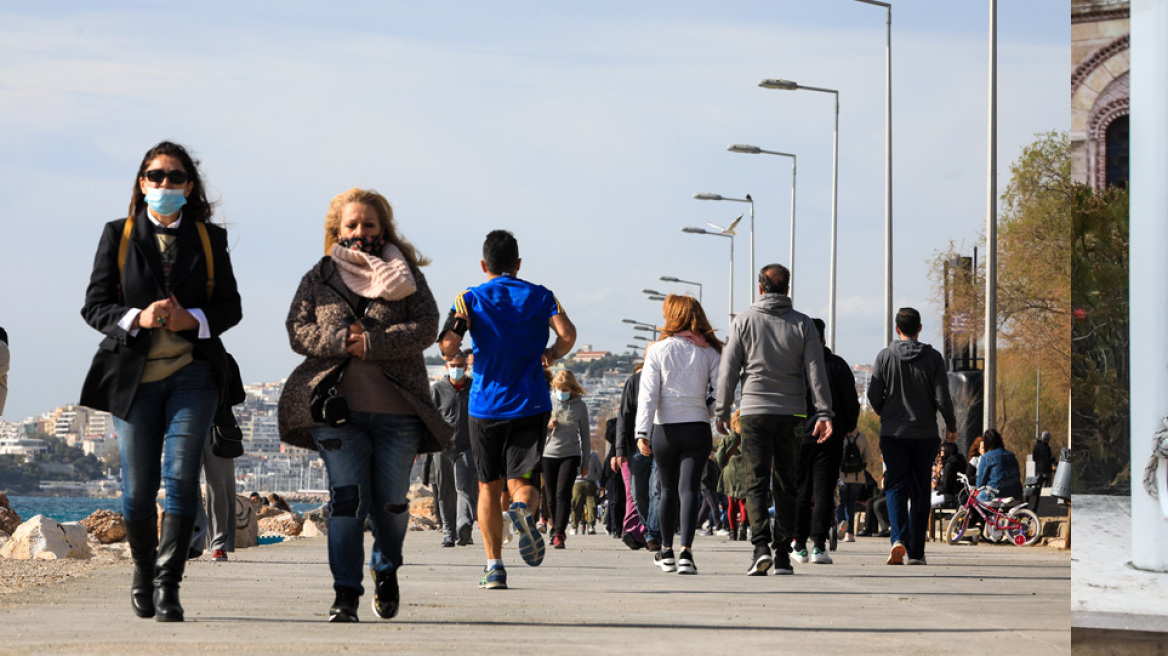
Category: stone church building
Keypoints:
(1100, 63)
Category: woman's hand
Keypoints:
(153, 316)
(177, 317)
(355, 342)
(644, 447)
(553, 423)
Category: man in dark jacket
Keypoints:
(819, 462)
(640, 527)
(456, 486)
(909, 387)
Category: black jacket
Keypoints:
(1043, 458)
(117, 367)
(845, 403)
(626, 417)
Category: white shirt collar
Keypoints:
(158, 223)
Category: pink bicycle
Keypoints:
(1001, 518)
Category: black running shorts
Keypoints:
(508, 448)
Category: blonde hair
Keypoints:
(685, 313)
(375, 201)
(567, 379)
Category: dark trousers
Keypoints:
(614, 518)
(876, 515)
(559, 476)
(906, 485)
(770, 448)
(818, 474)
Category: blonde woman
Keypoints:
(362, 317)
(568, 448)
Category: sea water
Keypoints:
(73, 509)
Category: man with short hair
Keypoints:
(455, 485)
(508, 319)
(909, 387)
(775, 352)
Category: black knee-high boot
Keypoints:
(143, 539)
(173, 545)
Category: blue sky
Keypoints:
(584, 128)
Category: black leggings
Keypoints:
(559, 475)
(680, 451)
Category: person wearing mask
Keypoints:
(568, 450)
(162, 291)
(361, 317)
(456, 485)
(673, 421)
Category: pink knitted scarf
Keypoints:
(386, 277)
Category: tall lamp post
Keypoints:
(887, 170)
(729, 234)
(685, 282)
(788, 85)
(991, 318)
(641, 325)
(750, 200)
(755, 150)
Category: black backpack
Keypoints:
(853, 462)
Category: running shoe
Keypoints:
(783, 563)
(572, 531)
(896, 556)
(219, 556)
(531, 547)
(558, 541)
(762, 561)
(386, 597)
(916, 561)
(685, 564)
(665, 560)
(494, 578)
(849, 538)
(819, 556)
(799, 554)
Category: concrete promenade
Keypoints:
(594, 597)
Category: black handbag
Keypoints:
(226, 436)
(326, 404)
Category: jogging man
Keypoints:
(508, 319)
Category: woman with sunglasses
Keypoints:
(362, 317)
(161, 370)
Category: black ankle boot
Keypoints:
(344, 609)
(143, 539)
(386, 596)
(173, 545)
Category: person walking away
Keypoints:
(584, 497)
(509, 320)
(568, 451)
(162, 291)
(774, 351)
(909, 387)
(854, 476)
(361, 318)
(673, 420)
(615, 492)
(733, 482)
(455, 479)
(1043, 465)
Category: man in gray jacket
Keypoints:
(775, 352)
(909, 387)
(456, 486)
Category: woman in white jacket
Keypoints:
(673, 420)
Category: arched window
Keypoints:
(1117, 150)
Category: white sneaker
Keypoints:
(848, 537)
(572, 531)
(799, 556)
(722, 532)
(819, 556)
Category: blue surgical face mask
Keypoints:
(165, 202)
(562, 395)
(457, 373)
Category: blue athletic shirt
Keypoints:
(509, 325)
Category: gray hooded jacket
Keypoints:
(775, 351)
(909, 387)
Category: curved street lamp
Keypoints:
(748, 199)
(755, 150)
(685, 282)
(730, 235)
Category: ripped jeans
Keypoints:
(368, 463)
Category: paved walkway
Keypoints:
(596, 596)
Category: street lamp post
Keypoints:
(991, 319)
(750, 200)
(788, 85)
(755, 150)
(641, 325)
(685, 282)
(703, 231)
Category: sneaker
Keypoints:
(761, 563)
(819, 556)
(464, 537)
(849, 538)
(632, 542)
(705, 531)
(386, 597)
(558, 541)
(665, 560)
(344, 609)
(572, 531)
(448, 541)
(843, 526)
(916, 561)
(494, 578)
(896, 556)
(864, 534)
(685, 564)
(531, 547)
(543, 526)
(219, 556)
(721, 532)
(591, 530)
(783, 563)
(799, 554)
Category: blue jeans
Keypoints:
(846, 512)
(906, 484)
(646, 492)
(162, 439)
(368, 463)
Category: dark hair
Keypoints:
(820, 326)
(501, 252)
(197, 207)
(908, 322)
(774, 279)
(992, 439)
(948, 450)
(4, 336)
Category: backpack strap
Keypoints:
(122, 246)
(205, 238)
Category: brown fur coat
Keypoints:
(317, 324)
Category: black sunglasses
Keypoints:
(158, 175)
